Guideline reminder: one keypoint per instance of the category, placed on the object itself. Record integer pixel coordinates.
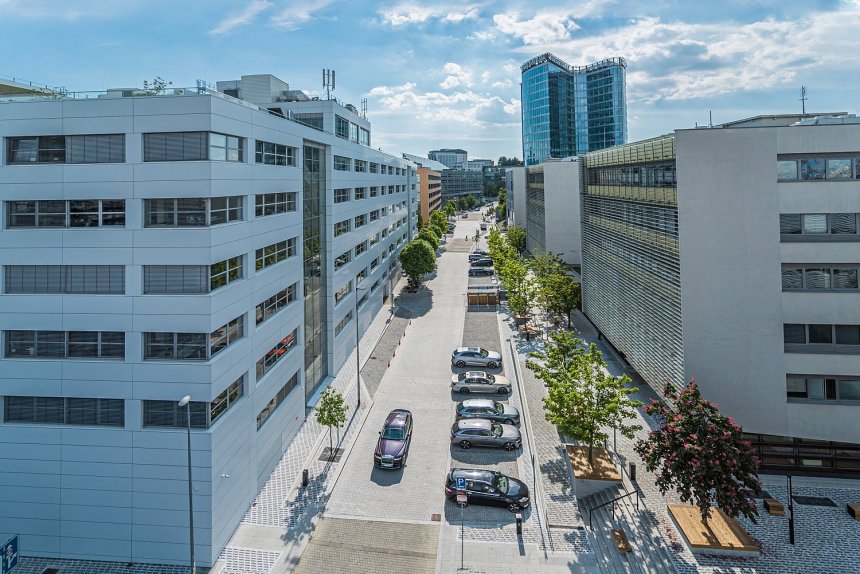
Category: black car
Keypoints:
(392, 447)
(475, 255)
(481, 271)
(488, 487)
(483, 262)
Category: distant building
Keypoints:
(571, 110)
(452, 158)
(458, 183)
(479, 164)
(429, 184)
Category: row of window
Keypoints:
(191, 211)
(343, 163)
(346, 256)
(64, 279)
(276, 353)
(818, 169)
(345, 129)
(103, 148)
(275, 253)
(277, 400)
(660, 174)
(819, 276)
(818, 224)
(822, 388)
(820, 334)
(63, 213)
(342, 323)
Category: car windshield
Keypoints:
(500, 408)
(484, 352)
(502, 483)
(392, 434)
(497, 429)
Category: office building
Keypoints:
(731, 255)
(452, 158)
(429, 184)
(153, 247)
(479, 164)
(457, 183)
(571, 110)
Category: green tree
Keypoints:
(517, 237)
(583, 398)
(701, 454)
(416, 259)
(461, 203)
(428, 235)
(331, 412)
(156, 86)
(471, 201)
(439, 219)
(514, 275)
(450, 209)
(560, 294)
(420, 220)
(544, 263)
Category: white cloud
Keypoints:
(297, 13)
(542, 28)
(456, 75)
(241, 18)
(405, 13)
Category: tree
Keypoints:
(156, 86)
(331, 412)
(583, 398)
(438, 229)
(514, 275)
(416, 259)
(700, 454)
(428, 235)
(450, 209)
(517, 237)
(421, 221)
(470, 201)
(461, 203)
(439, 219)
(509, 162)
(560, 294)
(545, 263)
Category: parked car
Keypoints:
(465, 216)
(475, 255)
(488, 487)
(480, 382)
(467, 433)
(476, 356)
(392, 447)
(482, 262)
(483, 227)
(481, 271)
(488, 409)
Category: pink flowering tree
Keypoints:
(700, 453)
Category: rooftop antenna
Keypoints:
(364, 108)
(328, 82)
(710, 118)
(803, 99)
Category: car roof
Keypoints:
(479, 374)
(397, 418)
(473, 473)
(479, 403)
(474, 424)
(464, 349)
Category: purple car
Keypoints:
(394, 438)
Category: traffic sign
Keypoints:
(461, 483)
(9, 555)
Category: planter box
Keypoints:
(721, 535)
(588, 478)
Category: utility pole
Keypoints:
(803, 99)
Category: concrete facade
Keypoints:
(429, 191)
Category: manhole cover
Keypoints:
(436, 517)
(329, 456)
(814, 500)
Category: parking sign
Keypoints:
(9, 555)
(461, 484)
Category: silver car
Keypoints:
(480, 382)
(488, 409)
(476, 356)
(481, 432)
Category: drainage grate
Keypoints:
(436, 518)
(814, 500)
(329, 456)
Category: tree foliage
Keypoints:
(331, 411)
(700, 454)
(517, 237)
(514, 275)
(509, 162)
(583, 398)
(157, 86)
(439, 219)
(428, 235)
(450, 209)
(471, 201)
(421, 221)
(557, 292)
(416, 259)
(461, 203)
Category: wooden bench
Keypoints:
(620, 541)
(774, 507)
(853, 510)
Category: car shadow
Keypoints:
(482, 516)
(482, 456)
(457, 396)
(386, 477)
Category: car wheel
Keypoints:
(464, 390)
(492, 365)
(465, 445)
(503, 390)
(509, 421)
(460, 364)
(514, 507)
(510, 446)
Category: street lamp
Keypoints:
(357, 341)
(186, 402)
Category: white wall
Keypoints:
(562, 210)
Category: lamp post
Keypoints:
(186, 402)
(357, 341)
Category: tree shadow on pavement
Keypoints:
(310, 500)
(408, 305)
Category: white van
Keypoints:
(483, 227)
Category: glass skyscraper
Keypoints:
(571, 110)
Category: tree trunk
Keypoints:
(330, 447)
(568, 318)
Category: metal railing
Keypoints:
(612, 502)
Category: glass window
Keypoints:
(360, 220)
(786, 170)
(276, 401)
(68, 411)
(374, 167)
(341, 195)
(225, 209)
(821, 334)
(61, 344)
(274, 154)
(342, 323)
(72, 213)
(794, 333)
(817, 278)
(838, 169)
(353, 132)
(226, 399)
(795, 387)
(175, 346)
(341, 163)
(360, 248)
(223, 336)
(177, 279)
(224, 147)
(844, 278)
(848, 334)
(169, 414)
(815, 223)
(360, 192)
(792, 279)
(275, 253)
(342, 292)
(274, 203)
(101, 148)
(364, 137)
(225, 272)
(842, 223)
(342, 259)
(341, 227)
(849, 390)
(175, 146)
(275, 354)
(812, 169)
(275, 303)
(341, 127)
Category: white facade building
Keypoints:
(163, 246)
(453, 158)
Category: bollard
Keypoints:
(305, 478)
(519, 524)
(632, 471)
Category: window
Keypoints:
(374, 239)
(275, 253)
(225, 209)
(817, 169)
(342, 260)
(59, 213)
(360, 248)
(225, 272)
(64, 411)
(373, 189)
(341, 163)
(819, 278)
(360, 220)
(276, 401)
(374, 215)
(342, 323)
(106, 148)
(225, 148)
(822, 338)
(342, 292)
(822, 388)
(274, 203)
(362, 275)
(175, 146)
(353, 132)
(341, 227)
(65, 344)
(175, 346)
(360, 192)
(267, 361)
(822, 224)
(178, 279)
(363, 300)
(226, 335)
(314, 120)
(275, 154)
(65, 279)
(374, 167)
(364, 137)
(390, 170)
(360, 165)
(341, 195)
(226, 399)
(169, 414)
(275, 303)
(375, 285)
(341, 127)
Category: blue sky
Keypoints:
(446, 74)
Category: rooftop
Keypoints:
(553, 59)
